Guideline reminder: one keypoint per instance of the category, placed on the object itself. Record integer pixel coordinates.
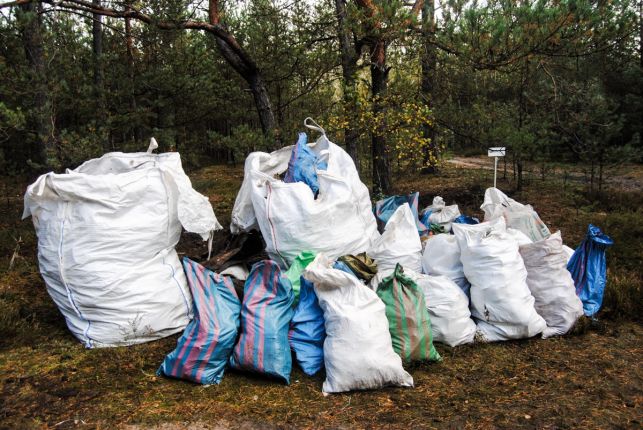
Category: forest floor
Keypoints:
(592, 378)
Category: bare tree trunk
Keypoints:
(428, 60)
(97, 49)
(243, 64)
(131, 71)
(43, 117)
(349, 55)
(379, 81)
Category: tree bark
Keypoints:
(349, 55)
(379, 80)
(137, 133)
(428, 60)
(97, 50)
(243, 64)
(42, 120)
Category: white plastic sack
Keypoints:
(442, 214)
(106, 236)
(551, 284)
(448, 307)
(500, 298)
(400, 242)
(520, 237)
(568, 252)
(518, 216)
(339, 222)
(441, 257)
(358, 352)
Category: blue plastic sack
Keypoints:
(588, 267)
(464, 219)
(266, 312)
(303, 165)
(385, 208)
(202, 352)
(307, 332)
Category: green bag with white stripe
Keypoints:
(408, 318)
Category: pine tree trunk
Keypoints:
(41, 117)
(428, 60)
(379, 82)
(349, 56)
(97, 50)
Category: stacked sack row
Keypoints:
(345, 288)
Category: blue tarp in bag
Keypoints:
(588, 267)
(307, 332)
(464, 219)
(385, 208)
(266, 312)
(303, 165)
(202, 352)
(340, 265)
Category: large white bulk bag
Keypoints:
(441, 257)
(448, 307)
(500, 298)
(106, 236)
(339, 222)
(518, 216)
(358, 352)
(551, 284)
(400, 242)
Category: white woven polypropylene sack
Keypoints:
(400, 242)
(448, 307)
(518, 216)
(441, 257)
(442, 214)
(339, 222)
(551, 284)
(500, 298)
(358, 352)
(106, 236)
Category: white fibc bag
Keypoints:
(441, 257)
(106, 236)
(400, 242)
(441, 214)
(517, 216)
(500, 298)
(448, 307)
(339, 221)
(358, 351)
(551, 284)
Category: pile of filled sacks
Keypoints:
(358, 292)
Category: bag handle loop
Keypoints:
(311, 124)
(153, 145)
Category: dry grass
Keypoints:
(591, 379)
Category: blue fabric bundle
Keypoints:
(303, 165)
(588, 267)
(307, 332)
(384, 210)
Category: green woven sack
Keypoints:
(408, 318)
(296, 269)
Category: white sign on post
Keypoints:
(495, 152)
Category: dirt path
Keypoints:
(625, 178)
